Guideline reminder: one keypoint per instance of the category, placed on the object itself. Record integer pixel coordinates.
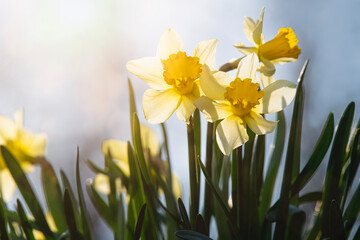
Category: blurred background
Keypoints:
(63, 62)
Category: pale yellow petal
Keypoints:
(245, 50)
(266, 80)
(170, 42)
(257, 33)
(149, 140)
(276, 97)
(249, 27)
(102, 184)
(8, 186)
(185, 109)
(231, 133)
(205, 51)
(150, 70)
(33, 145)
(267, 68)
(258, 124)
(159, 106)
(210, 85)
(118, 149)
(7, 129)
(223, 78)
(212, 111)
(247, 68)
(176, 186)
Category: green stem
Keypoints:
(236, 176)
(194, 195)
(209, 154)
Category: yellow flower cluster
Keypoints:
(182, 83)
(23, 145)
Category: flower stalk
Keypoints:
(194, 194)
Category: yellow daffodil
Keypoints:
(283, 48)
(172, 76)
(119, 153)
(240, 102)
(23, 145)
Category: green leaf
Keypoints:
(70, 217)
(26, 226)
(352, 167)
(184, 215)
(352, 211)
(26, 191)
(336, 159)
(336, 222)
(83, 211)
(191, 235)
(220, 200)
(316, 157)
(53, 195)
(100, 205)
(200, 225)
(139, 222)
(67, 185)
(297, 221)
(269, 182)
(310, 197)
(3, 221)
(292, 160)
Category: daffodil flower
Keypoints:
(23, 145)
(283, 48)
(119, 153)
(172, 76)
(240, 102)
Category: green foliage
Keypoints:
(238, 189)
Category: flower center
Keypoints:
(243, 95)
(284, 45)
(181, 71)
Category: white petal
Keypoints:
(212, 111)
(258, 124)
(249, 27)
(149, 69)
(185, 109)
(159, 106)
(247, 68)
(231, 133)
(210, 85)
(223, 78)
(276, 97)
(205, 51)
(266, 80)
(8, 185)
(170, 42)
(257, 33)
(245, 50)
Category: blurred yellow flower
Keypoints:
(283, 48)
(173, 77)
(240, 102)
(119, 153)
(23, 145)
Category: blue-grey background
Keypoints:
(63, 62)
